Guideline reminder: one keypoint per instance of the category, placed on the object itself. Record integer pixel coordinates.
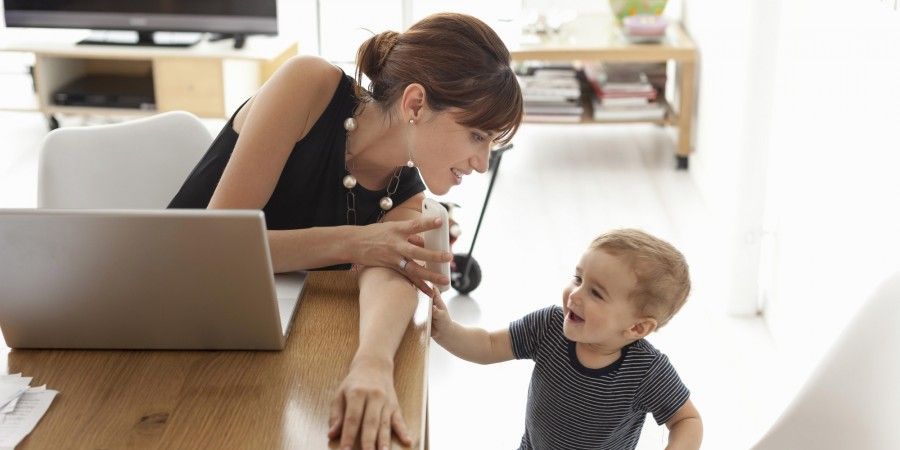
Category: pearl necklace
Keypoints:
(350, 182)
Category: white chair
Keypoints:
(852, 400)
(139, 164)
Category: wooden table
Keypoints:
(221, 399)
(594, 37)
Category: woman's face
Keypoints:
(445, 151)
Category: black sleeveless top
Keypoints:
(310, 191)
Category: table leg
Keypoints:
(686, 96)
(426, 424)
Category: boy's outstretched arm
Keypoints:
(685, 428)
(472, 344)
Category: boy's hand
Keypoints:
(440, 317)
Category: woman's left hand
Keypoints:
(397, 245)
(366, 405)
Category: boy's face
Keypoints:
(595, 302)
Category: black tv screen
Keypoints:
(217, 16)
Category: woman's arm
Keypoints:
(685, 428)
(375, 245)
(293, 250)
(366, 403)
(277, 116)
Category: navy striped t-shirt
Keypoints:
(574, 407)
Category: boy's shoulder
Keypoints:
(643, 347)
(642, 353)
(555, 319)
(548, 315)
(659, 390)
(535, 330)
(643, 357)
(556, 312)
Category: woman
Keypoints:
(336, 170)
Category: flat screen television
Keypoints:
(231, 18)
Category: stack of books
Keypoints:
(552, 94)
(624, 92)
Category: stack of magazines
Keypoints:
(624, 92)
(552, 94)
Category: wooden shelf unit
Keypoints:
(596, 38)
(587, 117)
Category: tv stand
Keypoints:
(209, 79)
(142, 38)
(239, 39)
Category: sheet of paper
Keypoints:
(29, 410)
(11, 406)
(12, 388)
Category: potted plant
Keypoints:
(624, 8)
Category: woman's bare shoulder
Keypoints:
(302, 85)
(312, 69)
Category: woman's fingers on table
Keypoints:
(399, 426)
(337, 416)
(384, 429)
(356, 401)
(372, 420)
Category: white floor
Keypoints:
(560, 186)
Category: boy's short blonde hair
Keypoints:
(663, 282)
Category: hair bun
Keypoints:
(373, 54)
(458, 60)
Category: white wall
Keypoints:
(735, 40)
(836, 161)
(297, 20)
(799, 113)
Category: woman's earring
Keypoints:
(409, 162)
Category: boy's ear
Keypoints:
(641, 328)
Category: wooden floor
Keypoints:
(558, 188)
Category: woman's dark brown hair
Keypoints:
(458, 59)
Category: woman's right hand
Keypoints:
(366, 407)
(387, 244)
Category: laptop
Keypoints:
(142, 279)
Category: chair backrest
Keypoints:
(139, 164)
(852, 400)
